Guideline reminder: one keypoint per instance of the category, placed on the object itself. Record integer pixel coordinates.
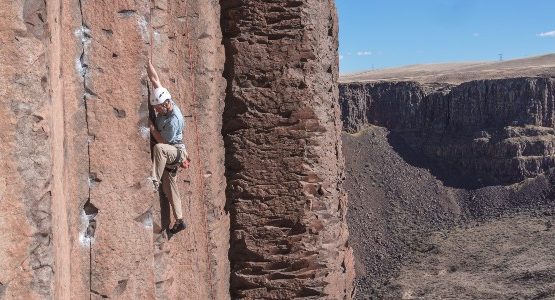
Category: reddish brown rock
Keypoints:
(283, 155)
(188, 52)
(26, 252)
(187, 266)
(78, 219)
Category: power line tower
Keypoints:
(500, 56)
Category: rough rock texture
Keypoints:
(426, 157)
(26, 252)
(493, 131)
(395, 201)
(283, 154)
(77, 218)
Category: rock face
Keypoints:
(26, 251)
(283, 154)
(77, 217)
(496, 131)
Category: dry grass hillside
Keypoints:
(456, 73)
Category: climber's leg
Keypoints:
(169, 187)
(162, 154)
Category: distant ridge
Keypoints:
(460, 72)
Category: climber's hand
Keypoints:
(186, 164)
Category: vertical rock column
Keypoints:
(127, 218)
(131, 257)
(118, 211)
(78, 218)
(284, 164)
(26, 252)
(189, 57)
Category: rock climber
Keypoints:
(169, 153)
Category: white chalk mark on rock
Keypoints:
(143, 26)
(144, 132)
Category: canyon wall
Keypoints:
(78, 218)
(426, 157)
(283, 151)
(497, 131)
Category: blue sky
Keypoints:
(387, 33)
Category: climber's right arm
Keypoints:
(152, 75)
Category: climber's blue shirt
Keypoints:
(171, 125)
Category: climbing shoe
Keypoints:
(178, 226)
(155, 184)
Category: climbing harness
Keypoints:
(179, 160)
(186, 161)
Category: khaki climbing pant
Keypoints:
(163, 155)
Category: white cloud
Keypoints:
(546, 34)
(364, 53)
(476, 34)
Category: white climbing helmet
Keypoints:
(160, 96)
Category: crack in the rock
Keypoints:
(88, 207)
(120, 288)
(127, 12)
(145, 218)
(99, 294)
(90, 211)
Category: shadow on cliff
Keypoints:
(449, 175)
(164, 211)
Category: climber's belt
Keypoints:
(177, 143)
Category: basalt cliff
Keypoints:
(449, 170)
(263, 200)
(495, 131)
